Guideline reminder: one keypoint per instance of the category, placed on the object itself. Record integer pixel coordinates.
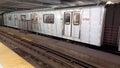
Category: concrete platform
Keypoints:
(9, 59)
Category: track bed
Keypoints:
(90, 56)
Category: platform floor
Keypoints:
(9, 59)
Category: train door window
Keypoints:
(76, 18)
(23, 17)
(15, 17)
(34, 17)
(48, 18)
(67, 18)
(10, 18)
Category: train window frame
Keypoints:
(23, 18)
(45, 20)
(67, 23)
(15, 17)
(34, 17)
(78, 19)
(10, 17)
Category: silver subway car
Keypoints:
(83, 24)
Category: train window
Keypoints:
(34, 17)
(48, 18)
(67, 18)
(15, 17)
(23, 17)
(76, 18)
(9, 18)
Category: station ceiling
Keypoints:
(16, 5)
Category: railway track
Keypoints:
(49, 57)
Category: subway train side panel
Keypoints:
(83, 24)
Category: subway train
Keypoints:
(97, 25)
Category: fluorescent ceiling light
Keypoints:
(109, 2)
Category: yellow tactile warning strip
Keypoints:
(9, 59)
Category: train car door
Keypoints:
(28, 20)
(16, 20)
(72, 24)
(67, 24)
(9, 20)
(30, 28)
(23, 19)
(35, 22)
(76, 24)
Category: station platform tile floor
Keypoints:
(9, 59)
